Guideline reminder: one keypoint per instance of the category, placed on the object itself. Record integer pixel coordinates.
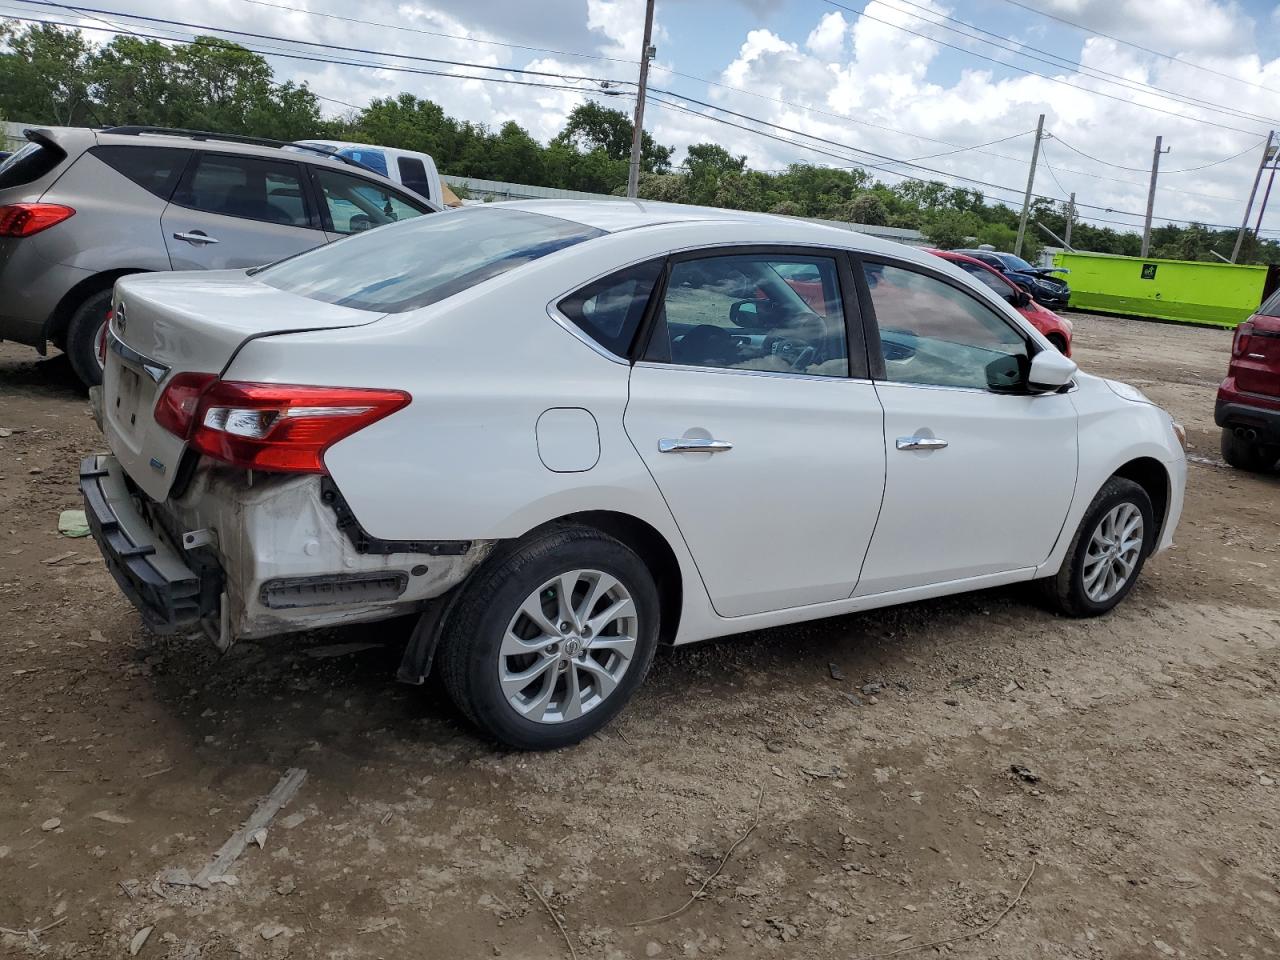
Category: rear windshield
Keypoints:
(423, 261)
(29, 164)
(1271, 306)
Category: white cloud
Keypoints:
(826, 40)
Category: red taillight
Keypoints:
(24, 219)
(101, 345)
(176, 408)
(268, 426)
(1241, 343)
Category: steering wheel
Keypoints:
(802, 352)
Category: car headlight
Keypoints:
(1180, 432)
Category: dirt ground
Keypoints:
(1153, 829)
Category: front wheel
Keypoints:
(551, 639)
(86, 329)
(1107, 553)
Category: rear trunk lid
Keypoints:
(166, 324)
(1255, 357)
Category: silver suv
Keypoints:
(80, 208)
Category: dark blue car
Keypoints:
(1040, 282)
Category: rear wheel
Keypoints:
(1107, 553)
(84, 332)
(552, 638)
(1247, 454)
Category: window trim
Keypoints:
(324, 217)
(872, 324)
(193, 164)
(854, 324)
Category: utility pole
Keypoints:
(1248, 207)
(1266, 195)
(647, 52)
(1031, 179)
(1071, 216)
(1151, 196)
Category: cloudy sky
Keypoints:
(919, 80)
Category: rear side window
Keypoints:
(1271, 308)
(609, 310)
(413, 174)
(426, 260)
(155, 169)
(30, 164)
(246, 187)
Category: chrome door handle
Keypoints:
(921, 443)
(693, 445)
(195, 236)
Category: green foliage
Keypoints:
(49, 75)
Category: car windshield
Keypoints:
(425, 260)
(1014, 263)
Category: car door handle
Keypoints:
(693, 445)
(195, 236)
(921, 443)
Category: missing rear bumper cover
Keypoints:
(345, 589)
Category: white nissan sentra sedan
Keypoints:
(566, 432)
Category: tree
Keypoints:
(42, 75)
(866, 208)
(592, 127)
(951, 229)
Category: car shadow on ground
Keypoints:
(51, 376)
(283, 696)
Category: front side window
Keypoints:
(355, 204)
(425, 260)
(246, 187)
(932, 333)
(609, 311)
(775, 313)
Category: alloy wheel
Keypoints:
(1114, 550)
(568, 646)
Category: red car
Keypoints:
(1248, 406)
(1055, 328)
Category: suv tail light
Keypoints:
(275, 427)
(1240, 345)
(24, 219)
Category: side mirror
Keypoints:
(1019, 298)
(751, 313)
(1050, 371)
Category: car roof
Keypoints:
(614, 216)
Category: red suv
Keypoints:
(1055, 328)
(1248, 407)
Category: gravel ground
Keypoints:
(1150, 811)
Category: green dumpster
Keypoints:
(1221, 294)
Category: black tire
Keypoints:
(1065, 591)
(1247, 455)
(82, 337)
(470, 647)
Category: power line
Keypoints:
(1119, 166)
(1136, 183)
(1033, 73)
(1092, 72)
(433, 33)
(318, 59)
(316, 43)
(1138, 46)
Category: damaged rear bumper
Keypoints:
(260, 554)
(167, 592)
